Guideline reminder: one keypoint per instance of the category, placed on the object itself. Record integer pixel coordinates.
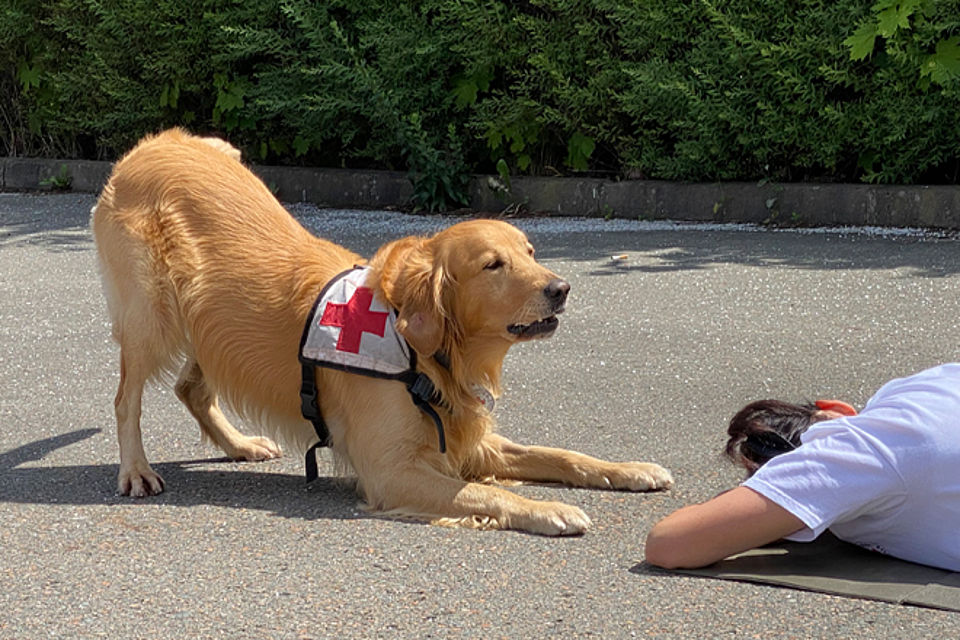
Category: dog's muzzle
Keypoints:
(556, 295)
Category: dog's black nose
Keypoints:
(556, 292)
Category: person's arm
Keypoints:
(701, 534)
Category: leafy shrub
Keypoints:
(703, 90)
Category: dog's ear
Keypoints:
(413, 281)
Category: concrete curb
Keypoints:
(769, 203)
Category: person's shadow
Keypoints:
(189, 483)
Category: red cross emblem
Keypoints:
(354, 318)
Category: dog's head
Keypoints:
(474, 280)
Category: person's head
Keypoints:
(766, 428)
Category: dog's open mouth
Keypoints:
(540, 328)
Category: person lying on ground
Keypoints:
(887, 479)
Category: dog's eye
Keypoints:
(494, 264)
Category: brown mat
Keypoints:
(828, 565)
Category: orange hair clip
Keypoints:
(836, 405)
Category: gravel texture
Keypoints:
(655, 353)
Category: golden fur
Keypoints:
(205, 273)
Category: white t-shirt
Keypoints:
(887, 479)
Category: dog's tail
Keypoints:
(141, 302)
(223, 146)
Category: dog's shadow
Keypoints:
(193, 483)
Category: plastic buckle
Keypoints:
(422, 388)
(308, 401)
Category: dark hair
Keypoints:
(765, 429)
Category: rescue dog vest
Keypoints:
(350, 330)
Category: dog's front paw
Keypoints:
(138, 480)
(554, 519)
(639, 476)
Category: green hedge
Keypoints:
(703, 90)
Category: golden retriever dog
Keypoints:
(207, 276)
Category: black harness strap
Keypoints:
(421, 390)
(423, 393)
(310, 408)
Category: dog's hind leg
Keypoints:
(135, 478)
(144, 327)
(195, 393)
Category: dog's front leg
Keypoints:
(502, 458)
(425, 493)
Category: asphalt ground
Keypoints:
(655, 353)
